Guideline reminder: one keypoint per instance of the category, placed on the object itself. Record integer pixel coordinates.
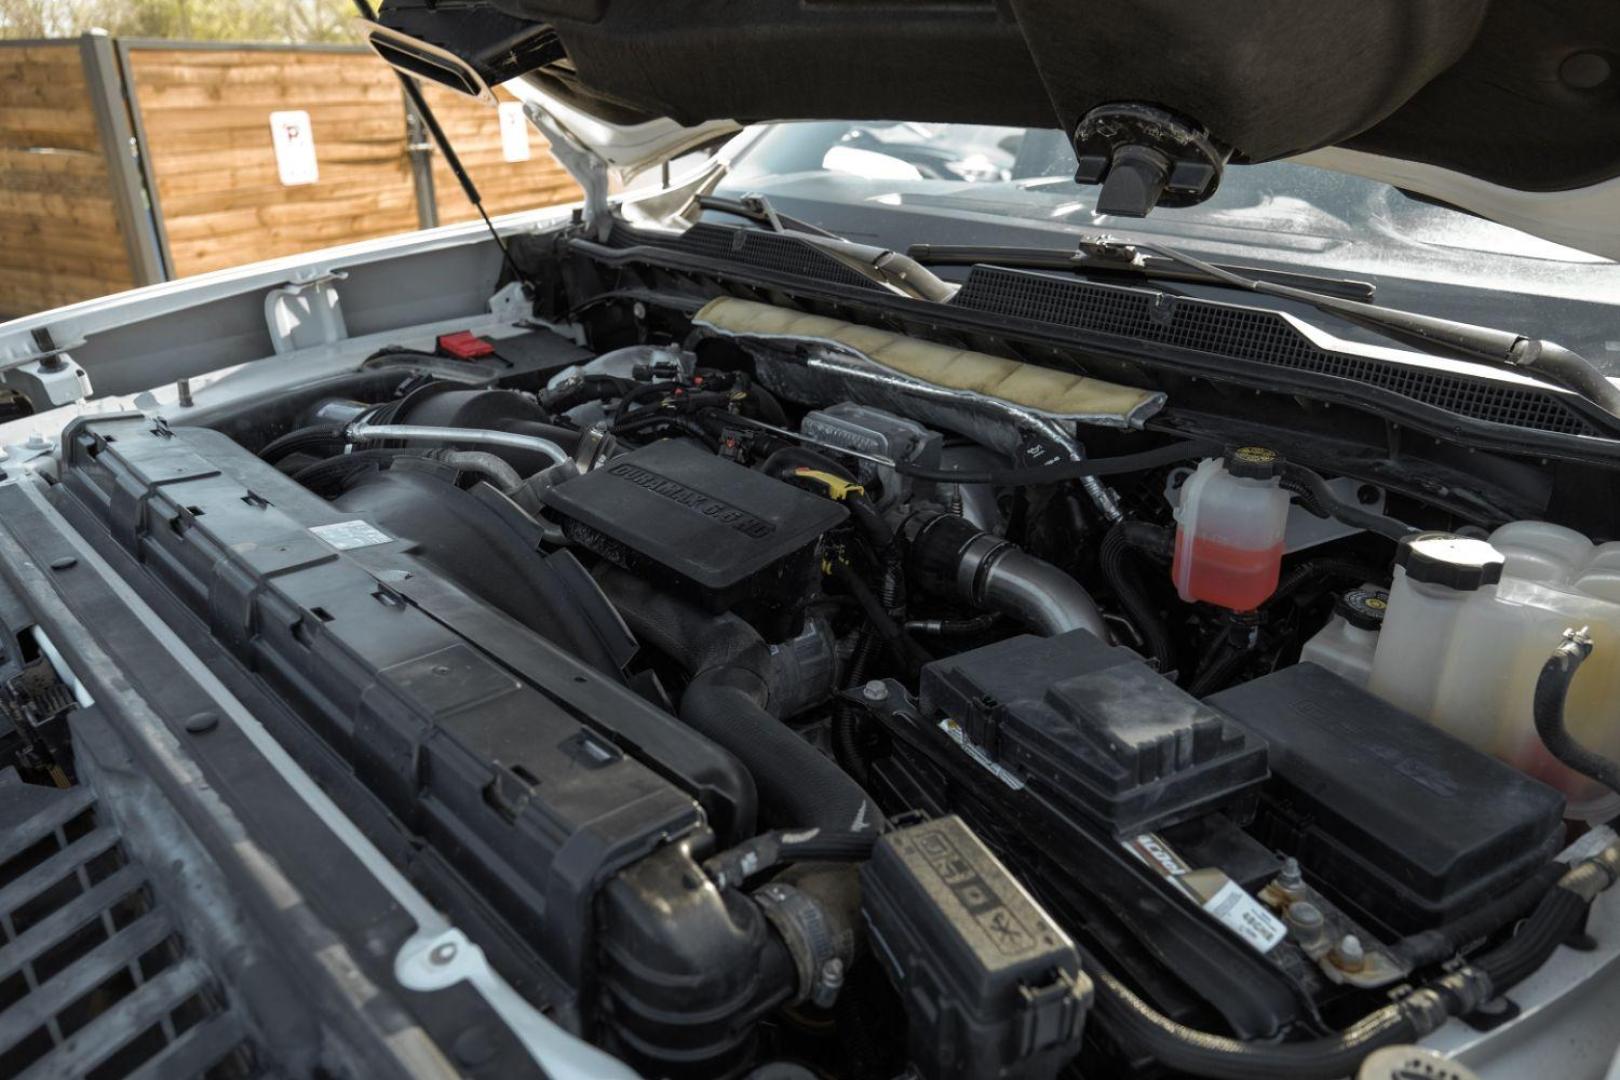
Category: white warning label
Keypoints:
(345, 535)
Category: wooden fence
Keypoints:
(127, 162)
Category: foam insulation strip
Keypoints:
(1042, 390)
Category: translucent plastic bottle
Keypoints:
(1229, 530)
(1436, 575)
(1471, 623)
(1345, 646)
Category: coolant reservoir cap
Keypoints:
(1363, 608)
(1254, 463)
(1457, 562)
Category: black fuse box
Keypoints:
(1092, 727)
(1399, 818)
(991, 986)
(710, 528)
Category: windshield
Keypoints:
(898, 184)
(1028, 173)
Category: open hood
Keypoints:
(1505, 107)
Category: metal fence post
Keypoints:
(122, 150)
(420, 150)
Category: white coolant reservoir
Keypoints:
(1229, 530)
(1345, 646)
(1470, 624)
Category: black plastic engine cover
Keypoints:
(714, 530)
(1397, 817)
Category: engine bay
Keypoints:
(795, 691)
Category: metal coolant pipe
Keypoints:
(995, 574)
(364, 432)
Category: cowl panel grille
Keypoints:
(1257, 336)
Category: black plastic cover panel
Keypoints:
(992, 985)
(515, 763)
(686, 517)
(1093, 727)
(1401, 818)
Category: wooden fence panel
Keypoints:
(204, 115)
(506, 186)
(59, 232)
(201, 115)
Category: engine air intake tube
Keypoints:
(952, 555)
(730, 700)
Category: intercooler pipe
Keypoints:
(949, 554)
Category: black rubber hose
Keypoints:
(1312, 569)
(782, 463)
(1552, 688)
(1122, 578)
(978, 624)
(910, 655)
(576, 392)
(1202, 1054)
(1320, 498)
(333, 471)
(643, 392)
(1220, 671)
(848, 717)
(1556, 918)
(798, 786)
(1068, 470)
(322, 438)
(1441, 943)
(772, 849)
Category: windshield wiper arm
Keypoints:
(890, 268)
(758, 209)
(1499, 348)
(1107, 256)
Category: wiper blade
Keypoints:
(899, 272)
(1499, 348)
(1108, 256)
(758, 209)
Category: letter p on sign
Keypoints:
(294, 141)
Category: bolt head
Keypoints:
(875, 690)
(1350, 955)
(1305, 915)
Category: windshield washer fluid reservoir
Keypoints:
(1229, 530)
(1470, 624)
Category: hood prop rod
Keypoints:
(451, 158)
